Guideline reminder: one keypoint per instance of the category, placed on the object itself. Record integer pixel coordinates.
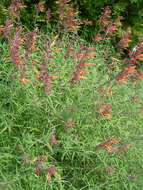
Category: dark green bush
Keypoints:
(131, 10)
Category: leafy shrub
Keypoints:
(46, 14)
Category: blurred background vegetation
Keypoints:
(45, 14)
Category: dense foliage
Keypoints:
(71, 111)
(36, 12)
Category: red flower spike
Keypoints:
(114, 141)
(108, 147)
(89, 22)
(106, 143)
(104, 110)
(31, 38)
(50, 172)
(53, 139)
(41, 6)
(122, 77)
(115, 138)
(123, 148)
(15, 47)
(130, 69)
(111, 170)
(38, 168)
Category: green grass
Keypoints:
(28, 117)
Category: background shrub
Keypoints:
(31, 16)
